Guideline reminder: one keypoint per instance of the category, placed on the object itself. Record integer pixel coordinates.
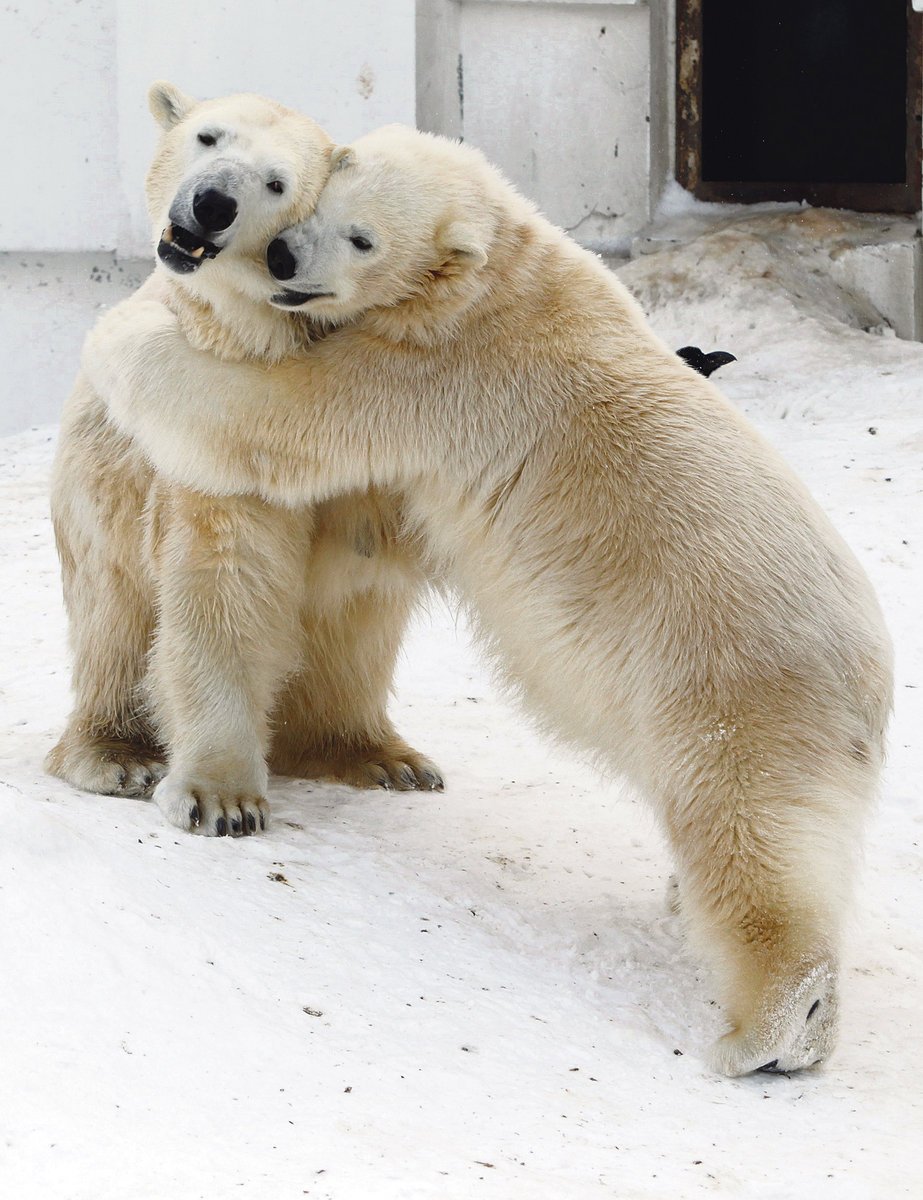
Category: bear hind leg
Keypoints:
(331, 718)
(98, 496)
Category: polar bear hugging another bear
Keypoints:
(649, 575)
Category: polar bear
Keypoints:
(324, 592)
(649, 575)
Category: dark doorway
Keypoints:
(814, 100)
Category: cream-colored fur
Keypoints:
(315, 599)
(650, 576)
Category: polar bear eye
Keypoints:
(361, 243)
(207, 139)
(277, 186)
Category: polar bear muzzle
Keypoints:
(283, 265)
(186, 241)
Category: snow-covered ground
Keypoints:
(475, 994)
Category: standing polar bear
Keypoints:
(649, 575)
(316, 598)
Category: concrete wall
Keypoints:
(47, 303)
(62, 189)
(558, 93)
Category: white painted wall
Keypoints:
(546, 95)
(60, 125)
(557, 93)
(47, 303)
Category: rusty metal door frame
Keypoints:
(863, 197)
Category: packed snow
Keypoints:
(482, 993)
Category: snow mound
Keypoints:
(765, 288)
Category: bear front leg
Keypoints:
(99, 487)
(230, 577)
(765, 853)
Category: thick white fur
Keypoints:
(255, 628)
(650, 576)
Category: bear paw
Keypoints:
(795, 1027)
(403, 771)
(211, 809)
(106, 765)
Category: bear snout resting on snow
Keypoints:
(322, 593)
(651, 578)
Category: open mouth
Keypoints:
(289, 299)
(182, 251)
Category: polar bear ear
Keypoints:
(340, 157)
(168, 104)
(464, 244)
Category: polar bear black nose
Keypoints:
(280, 260)
(213, 210)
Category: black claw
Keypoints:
(813, 1009)
(262, 821)
(408, 777)
(236, 826)
(770, 1066)
(251, 822)
(433, 781)
(194, 814)
(221, 827)
(146, 780)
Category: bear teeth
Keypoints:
(168, 234)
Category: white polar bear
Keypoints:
(318, 596)
(650, 576)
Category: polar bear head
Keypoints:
(406, 220)
(227, 175)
